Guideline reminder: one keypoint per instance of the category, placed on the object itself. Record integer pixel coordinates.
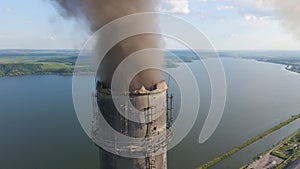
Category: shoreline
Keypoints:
(270, 150)
(288, 67)
(248, 142)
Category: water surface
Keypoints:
(39, 128)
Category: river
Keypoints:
(39, 128)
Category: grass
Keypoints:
(247, 143)
(39, 64)
(35, 68)
(53, 65)
(36, 65)
(279, 155)
(289, 160)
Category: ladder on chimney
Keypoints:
(170, 110)
(124, 128)
(150, 164)
(148, 118)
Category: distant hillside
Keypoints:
(61, 62)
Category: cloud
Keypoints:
(257, 20)
(175, 6)
(9, 10)
(234, 36)
(254, 7)
(51, 37)
(266, 11)
(256, 12)
(224, 7)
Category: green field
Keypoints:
(60, 62)
(37, 62)
(18, 66)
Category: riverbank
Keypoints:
(272, 158)
(247, 143)
(290, 65)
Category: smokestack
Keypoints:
(289, 11)
(147, 90)
(151, 154)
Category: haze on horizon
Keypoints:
(228, 24)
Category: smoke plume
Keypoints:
(289, 11)
(97, 13)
